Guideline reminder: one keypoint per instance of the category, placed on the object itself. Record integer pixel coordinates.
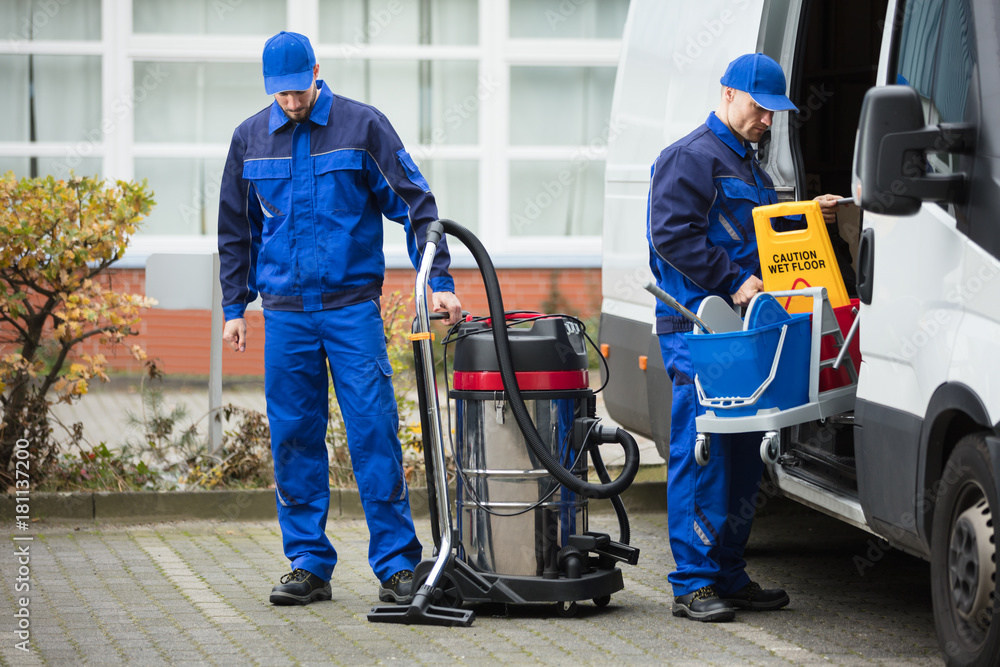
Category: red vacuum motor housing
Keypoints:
(550, 355)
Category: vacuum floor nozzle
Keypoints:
(420, 610)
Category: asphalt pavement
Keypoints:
(195, 592)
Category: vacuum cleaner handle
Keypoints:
(435, 231)
(421, 609)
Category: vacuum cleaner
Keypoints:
(525, 429)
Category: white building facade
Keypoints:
(504, 104)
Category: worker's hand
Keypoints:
(828, 206)
(235, 333)
(447, 301)
(746, 291)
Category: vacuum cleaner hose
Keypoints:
(624, 532)
(502, 344)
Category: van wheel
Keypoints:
(963, 556)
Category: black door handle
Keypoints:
(866, 265)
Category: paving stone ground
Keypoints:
(195, 593)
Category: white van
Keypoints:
(917, 461)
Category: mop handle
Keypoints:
(673, 303)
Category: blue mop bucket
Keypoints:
(733, 367)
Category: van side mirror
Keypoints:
(890, 157)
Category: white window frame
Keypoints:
(496, 52)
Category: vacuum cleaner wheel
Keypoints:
(446, 593)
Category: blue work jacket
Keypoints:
(301, 206)
(699, 223)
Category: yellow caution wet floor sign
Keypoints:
(799, 258)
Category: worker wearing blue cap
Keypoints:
(702, 192)
(306, 184)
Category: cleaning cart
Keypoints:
(771, 376)
(793, 358)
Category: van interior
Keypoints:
(836, 60)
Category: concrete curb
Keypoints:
(245, 505)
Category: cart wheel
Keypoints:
(701, 445)
(603, 601)
(770, 447)
(567, 608)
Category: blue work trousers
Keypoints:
(296, 350)
(710, 508)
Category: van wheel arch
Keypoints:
(954, 412)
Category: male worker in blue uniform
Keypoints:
(702, 241)
(306, 184)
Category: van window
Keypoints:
(937, 56)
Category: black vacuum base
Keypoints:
(459, 583)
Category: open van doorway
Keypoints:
(836, 57)
(830, 50)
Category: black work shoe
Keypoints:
(704, 605)
(755, 598)
(398, 588)
(300, 587)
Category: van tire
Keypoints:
(963, 556)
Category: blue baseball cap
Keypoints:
(761, 77)
(288, 63)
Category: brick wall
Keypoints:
(178, 339)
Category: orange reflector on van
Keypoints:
(642, 362)
(605, 350)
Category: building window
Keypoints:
(34, 20)
(194, 102)
(427, 101)
(186, 191)
(567, 19)
(208, 17)
(360, 23)
(59, 167)
(565, 106)
(503, 104)
(556, 198)
(38, 88)
(456, 191)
